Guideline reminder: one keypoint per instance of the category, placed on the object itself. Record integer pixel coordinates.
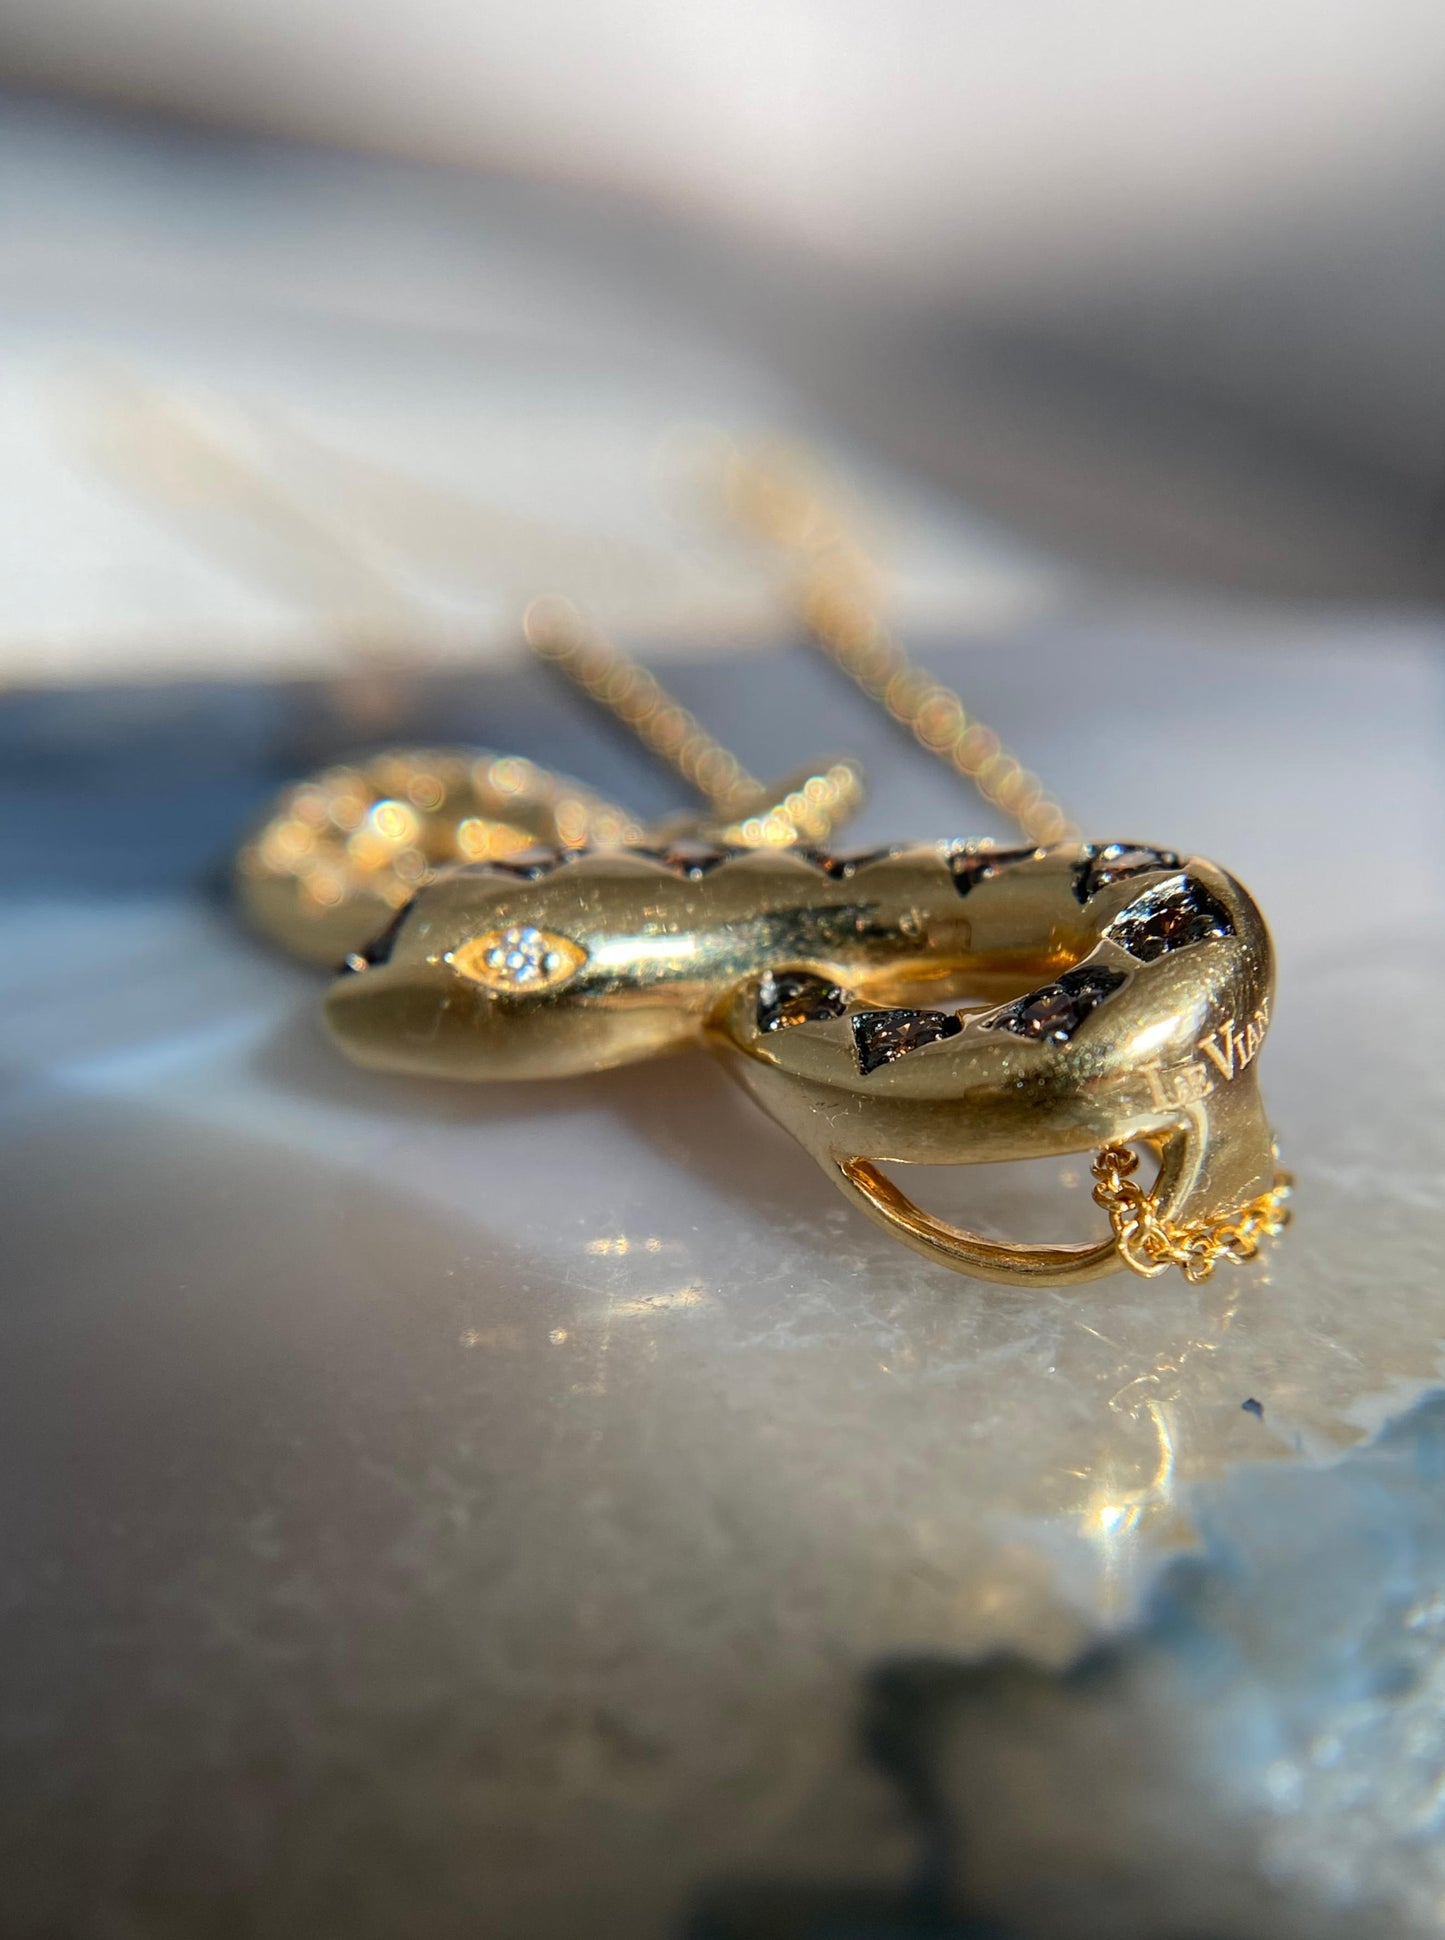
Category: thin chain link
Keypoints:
(835, 586)
(557, 633)
(1151, 1245)
(746, 812)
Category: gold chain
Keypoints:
(835, 588)
(748, 813)
(1151, 1245)
(556, 633)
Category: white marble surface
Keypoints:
(1262, 1758)
(473, 1512)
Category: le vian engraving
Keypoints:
(1229, 1049)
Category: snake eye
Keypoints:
(520, 961)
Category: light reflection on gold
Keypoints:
(1147, 1041)
(1108, 1519)
(426, 791)
(481, 838)
(324, 887)
(285, 843)
(395, 822)
(509, 775)
(504, 1338)
(572, 822)
(346, 810)
(309, 805)
(660, 950)
(344, 848)
(691, 1295)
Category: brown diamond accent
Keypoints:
(1056, 1011)
(1116, 863)
(884, 1036)
(841, 867)
(695, 859)
(970, 865)
(788, 997)
(1169, 917)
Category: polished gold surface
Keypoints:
(341, 852)
(944, 1004)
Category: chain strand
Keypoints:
(1151, 1245)
(556, 633)
(746, 812)
(835, 589)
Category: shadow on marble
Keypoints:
(1260, 1761)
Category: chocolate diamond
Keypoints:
(841, 867)
(379, 949)
(687, 856)
(1056, 1012)
(691, 858)
(972, 865)
(1168, 917)
(529, 863)
(787, 997)
(1115, 863)
(883, 1036)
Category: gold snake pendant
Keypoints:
(941, 1004)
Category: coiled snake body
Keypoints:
(945, 1003)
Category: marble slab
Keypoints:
(481, 1513)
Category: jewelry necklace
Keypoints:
(942, 1003)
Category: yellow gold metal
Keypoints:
(556, 632)
(1151, 1244)
(944, 1004)
(340, 853)
(745, 812)
(835, 590)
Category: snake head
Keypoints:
(544, 965)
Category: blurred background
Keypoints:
(455, 1517)
(1152, 293)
